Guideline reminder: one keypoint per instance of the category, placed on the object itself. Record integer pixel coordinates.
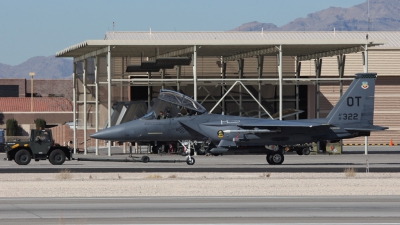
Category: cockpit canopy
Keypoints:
(182, 100)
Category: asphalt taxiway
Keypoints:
(379, 159)
(202, 210)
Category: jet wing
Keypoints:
(279, 123)
(271, 126)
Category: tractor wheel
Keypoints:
(23, 157)
(306, 151)
(57, 157)
(299, 152)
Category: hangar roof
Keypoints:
(310, 44)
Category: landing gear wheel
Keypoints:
(268, 158)
(306, 151)
(145, 159)
(277, 158)
(23, 157)
(190, 161)
(57, 157)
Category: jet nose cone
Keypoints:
(116, 133)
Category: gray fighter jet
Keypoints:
(351, 117)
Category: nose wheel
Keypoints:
(190, 160)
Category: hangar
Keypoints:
(276, 69)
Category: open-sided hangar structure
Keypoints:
(249, 60)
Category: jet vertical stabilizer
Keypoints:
(355, 108)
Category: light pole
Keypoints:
(31, 74)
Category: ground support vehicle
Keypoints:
(300, 149)
(40, 146)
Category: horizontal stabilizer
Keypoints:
(372, 128)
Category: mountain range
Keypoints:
(45, 68)
(384, 15)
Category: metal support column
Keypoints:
(280, 71)
(240, 72)
(341, 59)
(162, 77)
(178, 76)
(96, 83)
(74, 105)
(109, 94)
(223, 87)
(298, 69)
(260, 67)
(148, 91)
(318, 66)
(195, 73)
(365, 63)
(85, 106)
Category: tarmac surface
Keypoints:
(202, 210)
(300, 210)
(379, 159)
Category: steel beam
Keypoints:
(260, 67)
(280, 80)
(109, 94)
(195, 73)
(227, 92)
(341, 59)
(238, 56)
(74, 105)
(163, 78)
(240, 73)
(96, 81)
(365, 62)
(149, 92)
(298, 70)
(318, 67)
(223, 87)
(84, 83)
(91, 54)
(180, 52)
(330, 53)
(178, 76)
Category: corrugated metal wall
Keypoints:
(387, 95)
(384, 62)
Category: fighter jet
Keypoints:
(351, 117)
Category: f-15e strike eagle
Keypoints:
(351, 117)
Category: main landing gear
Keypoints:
(275, 158)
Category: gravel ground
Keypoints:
(66, 184)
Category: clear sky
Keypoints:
(44, 27)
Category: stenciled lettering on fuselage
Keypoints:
(351, 102)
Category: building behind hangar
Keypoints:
(257, 59)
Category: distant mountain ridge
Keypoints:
(384, 16)
(45, 68)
